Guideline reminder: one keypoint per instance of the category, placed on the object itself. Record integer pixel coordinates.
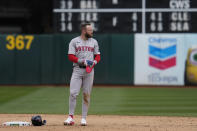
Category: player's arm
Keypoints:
(75, 59)
(97, 56)
(72, 58)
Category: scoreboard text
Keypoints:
(126, 16)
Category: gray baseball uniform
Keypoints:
(84, 50)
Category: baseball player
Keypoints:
(83, 52)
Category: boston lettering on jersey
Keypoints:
(84, 48)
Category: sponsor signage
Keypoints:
(160, 58)
(162, 52)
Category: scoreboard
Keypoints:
(126, 16)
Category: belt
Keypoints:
(82, 66)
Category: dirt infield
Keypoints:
(105, 123)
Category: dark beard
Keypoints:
(88, 36)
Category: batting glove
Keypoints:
(93, 63)
(88, 63)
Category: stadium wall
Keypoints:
(42, 59)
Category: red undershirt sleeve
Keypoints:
(72, 58)
(97, 57)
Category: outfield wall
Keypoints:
(42, 59)
(149, 59)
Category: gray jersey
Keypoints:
(83, 49)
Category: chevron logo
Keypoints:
(162, 53)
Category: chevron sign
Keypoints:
(162, 52)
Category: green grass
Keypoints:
(109, 101)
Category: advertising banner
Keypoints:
(160, 59)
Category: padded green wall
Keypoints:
(46, 62)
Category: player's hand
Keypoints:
(81, 61)
(91, 66)
(94, 62)
(88, 63)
